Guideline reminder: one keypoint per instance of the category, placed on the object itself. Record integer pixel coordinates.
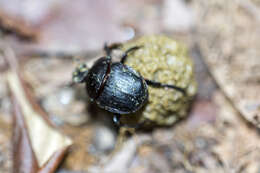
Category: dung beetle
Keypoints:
(116, 87)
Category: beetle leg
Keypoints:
(117, 121)
(158, 84)
(124, 56)
(110, 48)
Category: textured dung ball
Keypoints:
(164, 60)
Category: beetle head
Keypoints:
(80, 73)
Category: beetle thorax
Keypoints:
(96, 77)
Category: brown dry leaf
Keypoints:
(12, 25)
(239, 144)
(229, 39)
(35, 138)
(21, 144)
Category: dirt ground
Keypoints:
(47, 125)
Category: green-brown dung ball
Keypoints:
(163, 60)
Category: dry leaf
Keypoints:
(22, 147)
(239, 144)
(229, 40)
(35, 138)
(44, 138)
(11, 25)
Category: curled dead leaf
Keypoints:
(230, 50)
(37, 145)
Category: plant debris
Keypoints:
(230, 46)
(220, 133)
(34, 137)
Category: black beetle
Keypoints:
(114, 86)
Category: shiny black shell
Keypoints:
(96, 76)
(124, 90)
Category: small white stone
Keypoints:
(104, 139)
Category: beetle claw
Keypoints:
(117, 121)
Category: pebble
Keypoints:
(104, 140)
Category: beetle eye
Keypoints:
(80, 73)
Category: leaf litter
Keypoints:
(213, 139)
